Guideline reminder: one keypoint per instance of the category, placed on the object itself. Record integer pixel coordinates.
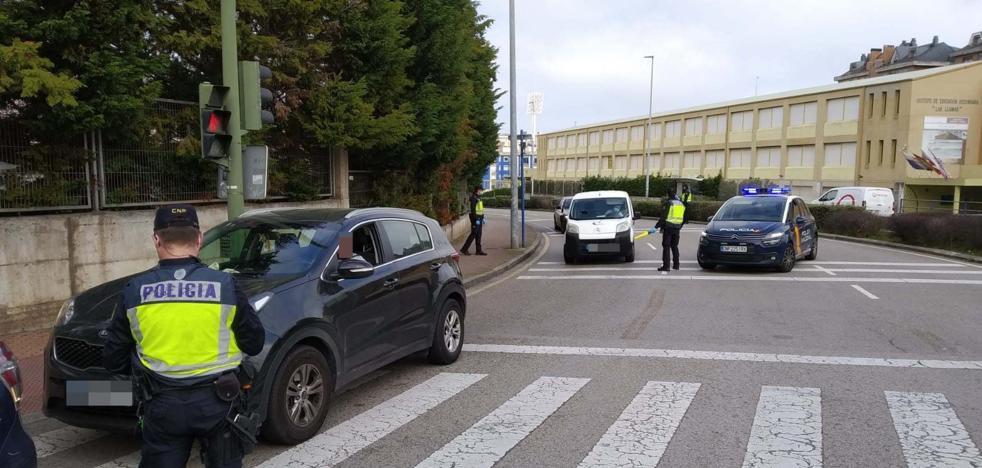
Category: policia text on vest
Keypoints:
(183, 328)
(670, 224)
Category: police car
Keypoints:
(764, 227)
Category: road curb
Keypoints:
(505, 267)
(899, 246)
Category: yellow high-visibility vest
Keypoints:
(676, 212)
(686, 197)
(479, 208)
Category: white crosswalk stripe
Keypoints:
(787, 429)
(930, 432)
(62, 439)
(340, 442)
(493, 436)
(641, 434)
(131, 460)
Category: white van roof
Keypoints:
(601, 194)
(860, 188)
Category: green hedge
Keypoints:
(634, 186)
(942, 231)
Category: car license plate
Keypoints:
(98, 393)
(733, 248)
(597, 248)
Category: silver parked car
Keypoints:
(561, 213)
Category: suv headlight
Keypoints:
(572, 228)
(773, 238)
(623, 226)
(66, 312)
(703, 238)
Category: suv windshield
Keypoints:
(254, 247)
(752, 209)
(599, 208)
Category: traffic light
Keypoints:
(256, 103)
(215, 135)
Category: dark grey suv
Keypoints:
(340, 292)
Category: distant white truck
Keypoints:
(878, 200)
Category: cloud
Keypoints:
(586, 56)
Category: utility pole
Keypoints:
(647, 130)
(512, 90)
(230, 78)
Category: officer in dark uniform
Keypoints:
(185, 327)
(477, 222)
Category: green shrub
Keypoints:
(943, 231)
(854, 222)
(822, 212)
(634, 186)
(709, 188)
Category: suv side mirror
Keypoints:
(353, 268)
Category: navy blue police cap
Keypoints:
(175, 216)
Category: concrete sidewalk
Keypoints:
(28, 347)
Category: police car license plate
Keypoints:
(98, 393)
(733, 248)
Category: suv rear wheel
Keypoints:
(299, 397)
(813, 254)
(448, 337)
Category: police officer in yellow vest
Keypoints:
(670, 224)
(185, 327)
(686, 196)
(477, 222)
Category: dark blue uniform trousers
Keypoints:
(175, 418)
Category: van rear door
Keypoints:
(879, 200)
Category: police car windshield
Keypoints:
(770, 209)
(260, 248)
(599, 208)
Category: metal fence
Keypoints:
(559, 188)
(162, 165)
(914, 205)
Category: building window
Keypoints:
(562, 142)
(740, 158)
(840, 155)
(594, 138)
(742, 121)
(881, 154)
(872, 103)
(869, 153)
(693, 127)
(884, 113)
(716, 124)
(673, 129)
(672, 160)
(655, 132)
(608, 137)
(570, 166)
(581, 139)
(801, 156)
(571, 141)
(896, 102)
(581, 165)
(772, 117)
(550, 167)
(636, 163)
(637, 133)
(621, 136)
(552, 143)
(893, 153)
(805, 113)
(769, 157)
(654, 163)
(714, 159)
(843, 109)
(594, 165)
(608, 162)
(692, 160)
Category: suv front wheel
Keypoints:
(299, 398)
(448, 337)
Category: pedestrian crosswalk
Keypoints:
(786, 428)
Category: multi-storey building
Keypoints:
(850, 133)
(498, 173)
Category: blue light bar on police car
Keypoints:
(780, 190)
(750, 190)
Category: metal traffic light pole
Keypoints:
(230, 78)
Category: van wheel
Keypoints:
(813, 254)
(448, 338)
(299, 398)
(629, 258)
(569, 259)
(787, 262)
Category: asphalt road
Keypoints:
(865, 357)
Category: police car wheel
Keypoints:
(299, 398)
(788, 260)
(813, 253)
(448, 338)
(706, 265)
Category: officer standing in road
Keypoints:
(686, 196)
(477, 222)
(184, 327)
(670, 224)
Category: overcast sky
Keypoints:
(586, 56)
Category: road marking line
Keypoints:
(930, 432)
(816, 269)
(809, 262)
(652, 246)
(838, 279)
(787, 429)
(642, 432)
(516, 270)
(58, 440)
(825, 270)
(130, 460)
(347, 438)
(888, 270)
(932, 257)
(864, 292)
(723, 356)
(495, 434)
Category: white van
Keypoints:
(600, 223)
(879, 200)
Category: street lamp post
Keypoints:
(647, 135)
(512, 90)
